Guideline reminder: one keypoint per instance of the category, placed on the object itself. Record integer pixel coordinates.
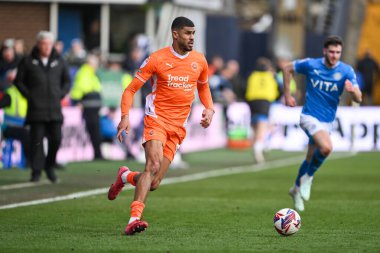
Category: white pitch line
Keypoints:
(174, 180)
(23, 185)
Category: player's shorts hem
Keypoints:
(312, 125)
(170, 136)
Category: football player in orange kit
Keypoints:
(176, 72)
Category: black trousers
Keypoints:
(21, 134)
(38, 130)
(91, 117)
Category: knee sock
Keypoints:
(137, 208)
(316, 161)
(129, 177)
(302, 171)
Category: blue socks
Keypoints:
(316, 162)
(310, 168)
(302, 171)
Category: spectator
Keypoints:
(216, 65)
(15, 108)
(19, 47)
(109, 131)
(92, 37)
(86, 93)
(43, 79)
(134, 60)
(235, 79)
(262, 90)
(59, 46)
(369, 69)
(76, 55)
(221, 87)
(8, 64)
(13, 102)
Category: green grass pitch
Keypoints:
(231, 213)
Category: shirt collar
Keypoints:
(177, 54)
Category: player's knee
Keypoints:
(326, 150)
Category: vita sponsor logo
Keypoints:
(179, 82)
(324, 85)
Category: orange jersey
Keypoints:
(174, 80)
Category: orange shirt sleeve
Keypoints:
(204, 92)
(146, 70)
(203, 78)
(205, 95)
(129, 92)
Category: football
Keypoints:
(287, 221)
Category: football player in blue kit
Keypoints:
(327, 77)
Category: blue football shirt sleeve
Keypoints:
(301, 66)
(351, 75)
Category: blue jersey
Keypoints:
(323, 86)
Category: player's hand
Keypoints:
(123, 126)
(290, 101)
(207, 115)
(348, 86)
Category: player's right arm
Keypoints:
(126, 103)
(146, 70)
(288, 72)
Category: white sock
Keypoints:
(124, 176)
(132, 219)
(296, 188)
(306, 177)
(259, 146)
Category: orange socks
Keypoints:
(130, 177)
(137, 208)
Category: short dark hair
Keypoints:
(180, 22)
(332, 40)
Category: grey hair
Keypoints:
(45, 35)
(93, 60)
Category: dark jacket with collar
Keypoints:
(43, 86)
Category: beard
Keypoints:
(329, 63)
(186, 47)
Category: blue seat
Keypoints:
(7, 156)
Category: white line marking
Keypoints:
(23, 185)
(174, 180)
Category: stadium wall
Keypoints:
(23, 21)
(355, 129)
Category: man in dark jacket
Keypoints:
(43, 78)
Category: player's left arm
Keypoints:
(352, 87)
(354, 90)
(204, 94)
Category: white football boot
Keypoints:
(297, 199)
(305, 186)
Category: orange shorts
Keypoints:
(170, 136)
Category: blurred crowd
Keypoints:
(88, 81)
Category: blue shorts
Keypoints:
(259, 118)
